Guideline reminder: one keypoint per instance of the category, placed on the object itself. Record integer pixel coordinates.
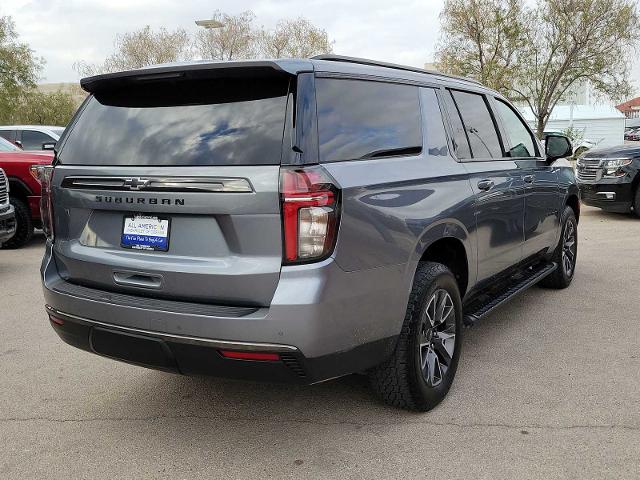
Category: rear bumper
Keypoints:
(7, 224)
(323, 322)
(613, 197)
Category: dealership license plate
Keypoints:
(145, 232)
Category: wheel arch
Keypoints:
(574, 202)
(19, 189)
(448, 243)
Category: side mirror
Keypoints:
(48, 145)
(557, 146)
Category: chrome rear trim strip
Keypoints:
(160, 184)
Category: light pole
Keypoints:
(209, 24)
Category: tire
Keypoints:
(24, 225)
(636, 202)
(401, 381)
(563, 275)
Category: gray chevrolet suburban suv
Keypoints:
(299, 220)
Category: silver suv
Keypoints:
(298, 220)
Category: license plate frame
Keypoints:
(145, 241)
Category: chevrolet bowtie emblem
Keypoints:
(136, 183)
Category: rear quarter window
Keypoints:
(360, 119)
(195, 123)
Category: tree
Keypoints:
(545, 50)
(297, 38)
(19, 69)
(236, 39)
(41, 108)
(142, 48)
(481, 39)
(578, 40)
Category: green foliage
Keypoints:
(481, 39)
(38, 108)
(536, 54)
(19, 69)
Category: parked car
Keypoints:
(7, 213)
(632, 134)
(608, 178)
(25, 189)
(32, 137)
(299, 220)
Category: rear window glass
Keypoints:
(213, 122)
(362, 119)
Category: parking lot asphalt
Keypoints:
(548, 387)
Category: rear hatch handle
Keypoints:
(138, 279)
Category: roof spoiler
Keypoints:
(188, 71)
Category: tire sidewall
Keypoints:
(24, 225)
(568, 216)
(426, 396)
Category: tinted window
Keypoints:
(478, 124)
(7, 134)
(436, 138)
(360, 119)
(520, 139)
(213, 122)
(32, 140)
(460, 141)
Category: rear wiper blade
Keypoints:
(390, 152)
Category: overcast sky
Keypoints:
(66, 31)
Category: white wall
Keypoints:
(606, 132)
(601, 124)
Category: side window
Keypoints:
(478, 124)
(435, 135)
(460, 141)
(363, 119)
(519, 136)
(32, 140)
(8, 135)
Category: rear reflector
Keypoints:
(56, 320)
(259, 356)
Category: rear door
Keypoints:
(497, 182)
(170, 190)
(542, 193)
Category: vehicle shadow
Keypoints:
(346, 400)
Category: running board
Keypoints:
(480, 309)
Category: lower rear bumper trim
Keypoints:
(213, 343)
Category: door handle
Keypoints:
(528, 178)
(485, 185)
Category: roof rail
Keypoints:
(375, 63)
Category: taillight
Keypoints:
(44, 174)
(309, 213)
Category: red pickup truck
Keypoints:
(24, 188)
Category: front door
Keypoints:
(542, 215)
(497, 182)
